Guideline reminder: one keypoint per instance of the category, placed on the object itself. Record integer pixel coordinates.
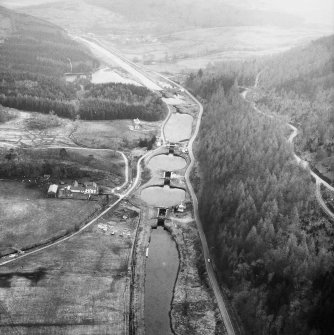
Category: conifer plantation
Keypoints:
(272, 245)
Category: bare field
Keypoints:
(16, 133)
(78, 287)
(28, 217)
(105, 160)
(112, 134)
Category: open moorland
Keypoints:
(77, 287)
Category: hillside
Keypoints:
(270, 244)
(300, 85)
(33, 59)
(175, 36)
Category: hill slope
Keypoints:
(271, 245)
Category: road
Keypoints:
(147, 82)
(304, 164)
(106, 54)
(212, 276)
(126, 162)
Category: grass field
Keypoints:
(28, 217)
(168, 40)
(111, 134)
(78, 287)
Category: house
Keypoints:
(79, 191)
(181, 208)
(91, 188)
(159, 142)
(52, 191)
(72, 77)
(136, 124)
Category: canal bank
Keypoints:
(175, 303)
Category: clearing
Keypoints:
(112, 134)
(78, 287)
(29, 217)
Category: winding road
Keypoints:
(304, 164)
(149, 83)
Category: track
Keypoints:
(304, 164)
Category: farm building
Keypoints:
(79, 191)
(181, 208)
(72, 77)
(52, 191)
(91, 188)
(136, 124)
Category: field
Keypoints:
(28, 217)
(15, 132)
(78, 287)
(112, 134)
(164, 40)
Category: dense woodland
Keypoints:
(300, 84)
(120, 101)
(271, 245)
(33, 60)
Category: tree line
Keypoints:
(120, 101)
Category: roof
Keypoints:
(53, 188)
(90, 184)
(76, 188)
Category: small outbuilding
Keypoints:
(136, 124)
(52, 191)
(181, 208)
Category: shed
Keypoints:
(181, 207)
(52, 191)
(136, 123)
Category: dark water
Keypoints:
(161, 271)
(167, 163)
(162, 196)
(178, 127)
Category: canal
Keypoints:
(163, 261)
(161, 271)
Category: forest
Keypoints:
(300, 85)
(120, 101)
(297, 84)
(33, 60)
(270, 244)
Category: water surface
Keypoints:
(162, 196)
(178, 127)
(167, 163)
(161, 271)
